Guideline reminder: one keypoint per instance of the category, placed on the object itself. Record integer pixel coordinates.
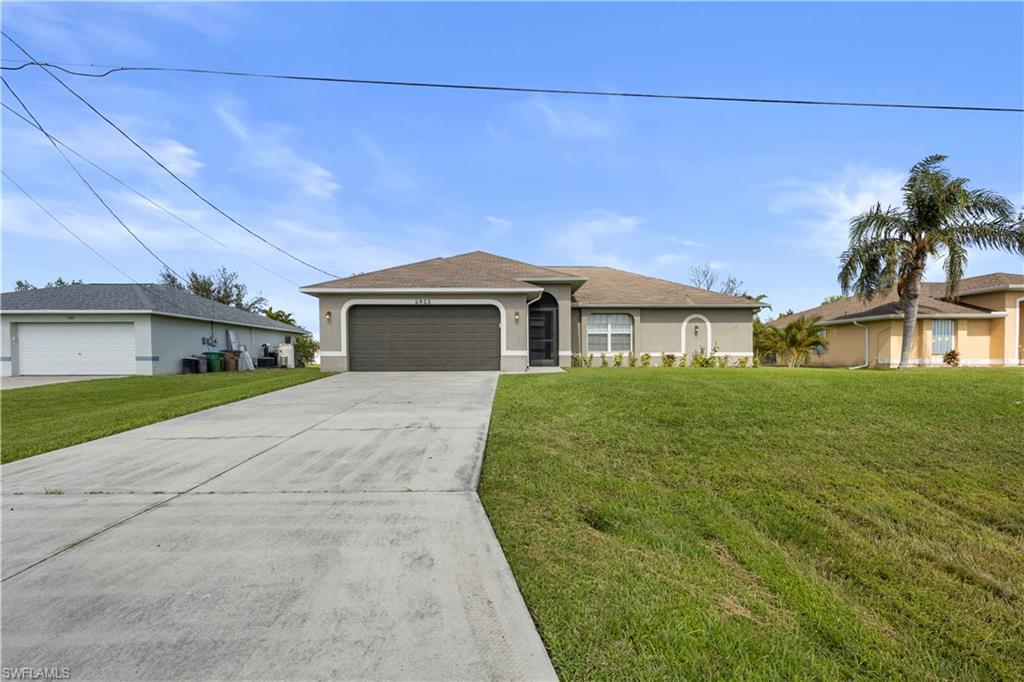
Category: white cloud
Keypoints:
(592, 240)
(564, 122)
(823, 208)
(266, 149)
(496, 227)
(176, 156)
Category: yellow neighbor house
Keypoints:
(984, 324)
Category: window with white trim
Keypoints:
(609, 333)
(942, 336)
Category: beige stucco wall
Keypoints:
(660, 330)
(1006, 333)
(846, 345)
(979, 342)
(514, 356)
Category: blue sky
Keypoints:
(356, 178)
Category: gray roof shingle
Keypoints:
(156, 298)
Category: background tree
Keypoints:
(706, 276)
(279, 315)
(25, 285)
(222, 286)
(940, 216)
(833, 298)
(703, 276)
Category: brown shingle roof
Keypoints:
(969, 285)
(608, 286)
(465, 271)
(477, 269)
(931, 302)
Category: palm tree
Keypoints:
(939, 216)
(279, 315)
(800, 337)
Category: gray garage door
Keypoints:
(424, 337)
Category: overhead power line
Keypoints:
(167, 170)
(99, 255)
(153, 202)
(511, 89)
(66, 228)
(86, 182)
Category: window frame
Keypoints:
(951, 336)
(607, 333)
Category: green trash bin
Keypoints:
(213, 360)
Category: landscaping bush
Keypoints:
(668, 359)
(952, 358)
(645, 360)
(631, 360)
(617, 359)
(604, 360)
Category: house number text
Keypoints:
(422, 301)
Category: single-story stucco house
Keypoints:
(478, 311)
(984, 324)
(121, 329)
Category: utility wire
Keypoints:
(87, 184)
(515, 89)
(148, 288)
(165, 168)
(66, 228)
(146, 198)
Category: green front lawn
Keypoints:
(753, 523)
(44, 418)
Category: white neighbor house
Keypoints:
(116, 329)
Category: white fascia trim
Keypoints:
(421, 290)
(565, 353)
(552, 280)
(695, 306)
(343, 318)
(950, 316)
(160, 313)
(990, 290)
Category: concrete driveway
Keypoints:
(28, 382)
(329, 530)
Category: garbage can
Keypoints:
(231, 360)
(213, 360)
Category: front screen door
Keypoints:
(543, 337)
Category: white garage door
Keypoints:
(76, 348)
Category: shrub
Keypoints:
(721, 360)
(952, 358)
(700, 358)
(604, 360)
(645, 360)
(305, 348)
(577, 360)
(631, 360)
(617, 359)
(741, 362)
(756, 362)
(588, 360)
(668, 359)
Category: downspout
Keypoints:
(866, 338)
